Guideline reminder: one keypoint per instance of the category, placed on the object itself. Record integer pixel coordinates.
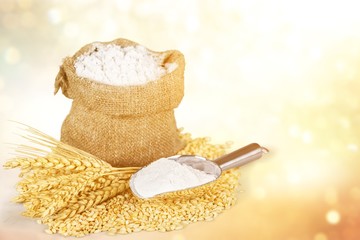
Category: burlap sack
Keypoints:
(123, 125)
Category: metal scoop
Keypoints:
(234, 159)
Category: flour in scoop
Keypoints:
(166, 175)
(122, 66)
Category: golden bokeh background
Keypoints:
(283, 73)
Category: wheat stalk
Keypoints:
(60, 180)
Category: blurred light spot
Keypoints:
(178, 237)
(192, 23)
(340, 66)
(344, 122)
(54, 16)
(170, 17)
(10, 21)
(293, 178)
(352, 147)
(24, 4)
(71, 30)
(28, 19)
(6, 104)
(309, 96)
(123, 5)
(266, 26)
(331, 196)
(320, 236)
(143, 9)
(230, 5)
(307, 137)
(7, 6)
(2, 84)
(316, 53)
(355, 193)
(259, 193)
(333, 217)
(272, 179)
(12, 55)
(294, 131)
(207, 55)
(293, 41)
(109, 28)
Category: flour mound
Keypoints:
(122, 66)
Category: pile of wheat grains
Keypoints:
(76, 194)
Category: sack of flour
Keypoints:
(124, 97)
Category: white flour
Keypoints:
(165, 175)
(122, 66)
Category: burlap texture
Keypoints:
(123, 125)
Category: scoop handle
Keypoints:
(241, 156)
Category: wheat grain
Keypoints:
(76, 194)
